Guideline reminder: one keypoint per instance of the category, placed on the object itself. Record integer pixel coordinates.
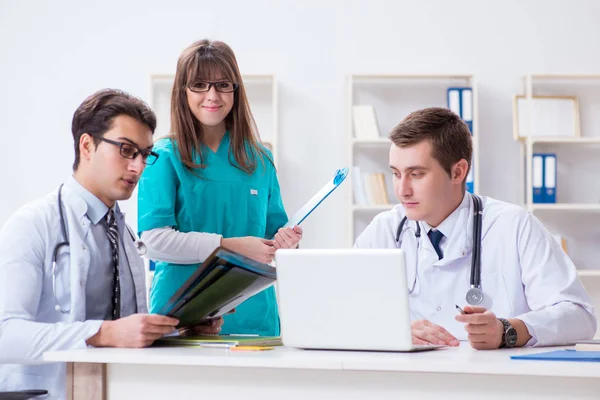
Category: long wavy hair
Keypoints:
(204, 60)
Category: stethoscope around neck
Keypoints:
(474, 295)
(139, 245)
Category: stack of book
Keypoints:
(369, 188)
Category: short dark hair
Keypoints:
(96, 114)
(448, 135)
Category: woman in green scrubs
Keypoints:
(213, 184)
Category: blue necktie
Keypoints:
(436, 237)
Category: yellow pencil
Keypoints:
(251, 348)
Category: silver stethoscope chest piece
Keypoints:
(474, 296)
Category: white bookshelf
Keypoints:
(576, 214)
(393, 97)
(564, 207)
(262, 94)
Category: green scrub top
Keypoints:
(219, 199)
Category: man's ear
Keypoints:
(86, 146)
(460, 170)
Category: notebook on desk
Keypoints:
(225, 341)
(353, 299)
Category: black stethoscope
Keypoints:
(139, 245)
(474, 294)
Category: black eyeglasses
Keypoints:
(221, 86)
(130, 151)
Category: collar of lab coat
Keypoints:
(95, 209)
(458, 229)
(78, 227)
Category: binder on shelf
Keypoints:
(365, 122)
(537, 174)
(466, 107)
(469, 182)
(460, 101)
(550, 178)
(454, 100)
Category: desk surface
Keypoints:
(461, 360)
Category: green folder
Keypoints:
(222, 282)
(219, 341)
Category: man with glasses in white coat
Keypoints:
(70, 275)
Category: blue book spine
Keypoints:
(550, 178)
(453, 98)
(469, 183)
(537, 177)
(460, 101)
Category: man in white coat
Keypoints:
(531, 292)
(96, 295)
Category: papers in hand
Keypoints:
(318, 198)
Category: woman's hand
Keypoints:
(258, 249)
(287, 238)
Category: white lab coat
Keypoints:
(29, 323)
(525, 273)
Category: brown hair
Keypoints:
(204, 59)
(449, 136)
(96, 114)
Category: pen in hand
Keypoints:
(460, 310)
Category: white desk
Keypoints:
(287, 374)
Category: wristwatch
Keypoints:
(509, 336)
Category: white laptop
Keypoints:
(346, 299)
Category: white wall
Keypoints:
(55, 53)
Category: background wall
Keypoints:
(54, 54)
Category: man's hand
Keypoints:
(484, 329)
(426, 332)
(137, 330)
(258, 249)
(287, 238)
(211, 327)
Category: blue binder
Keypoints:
(469, 182)
(460, 101)
(562, 355)
(537, 177)
(550, 178)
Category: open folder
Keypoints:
(223, 281)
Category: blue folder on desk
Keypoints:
(562, 355)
